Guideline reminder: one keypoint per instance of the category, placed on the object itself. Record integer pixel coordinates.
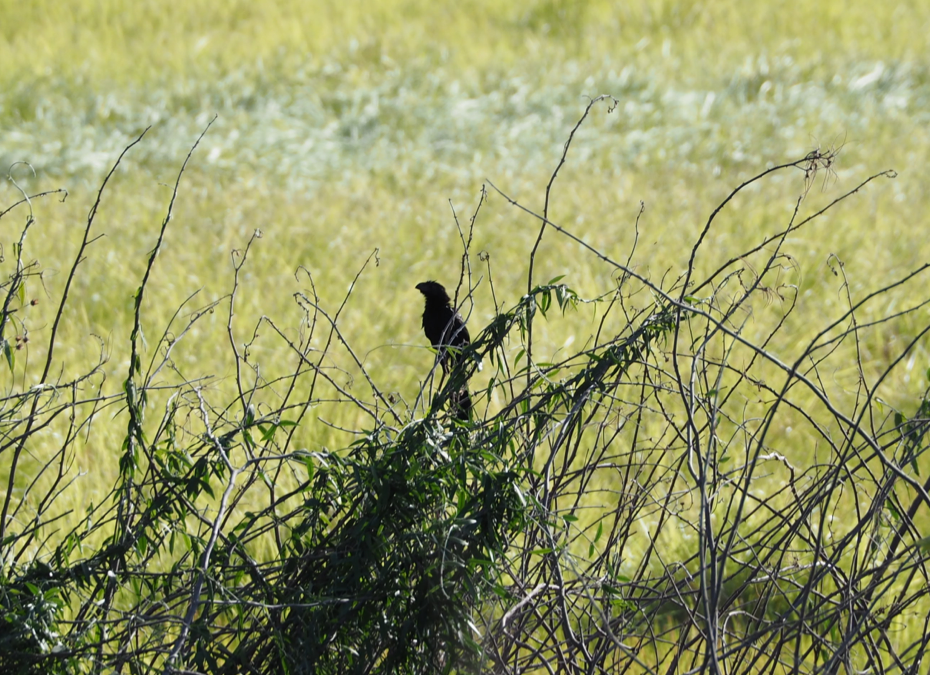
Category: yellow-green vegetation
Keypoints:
(343, 127)
(348, 128)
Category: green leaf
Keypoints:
(501, 592)
(570, 518)
(8, 353)
(205, 486)
(545, 300)
(597, 535)
(894, 511)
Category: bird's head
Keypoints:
(432, 290)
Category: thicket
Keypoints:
(673, 496)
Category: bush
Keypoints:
(674, 496)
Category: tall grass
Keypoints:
(335, 146)
(673, 493)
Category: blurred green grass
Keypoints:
(345, 127)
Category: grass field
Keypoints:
(345, 128)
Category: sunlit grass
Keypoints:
(346, 127)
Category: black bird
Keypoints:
(444, 328)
